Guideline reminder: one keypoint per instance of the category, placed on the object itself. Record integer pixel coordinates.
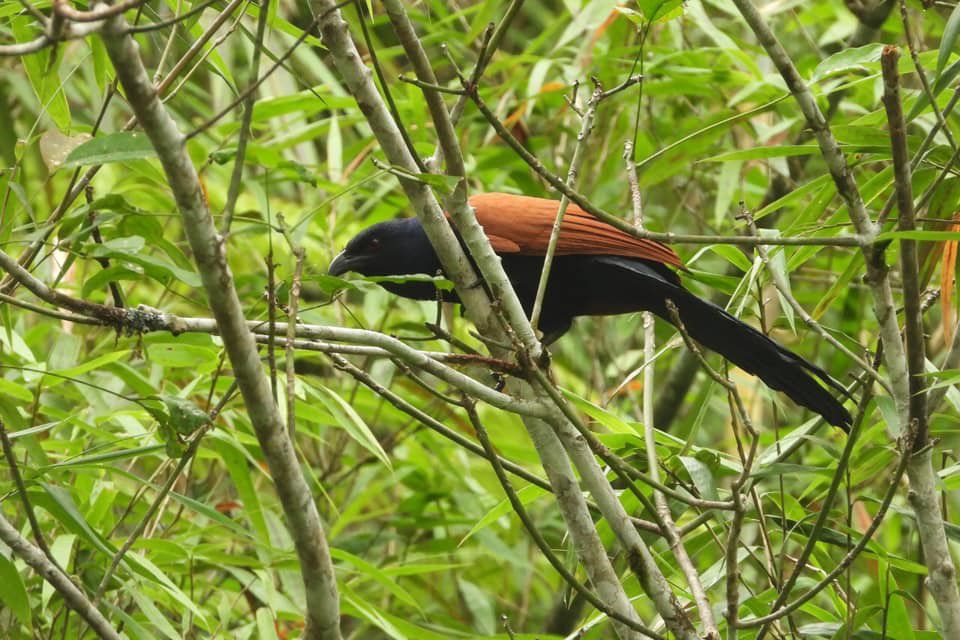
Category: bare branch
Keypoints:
(538, 539)
(71, 594)
(576, 161)
(249, 98)
(323, 618)
(923, 495)
(101, 12)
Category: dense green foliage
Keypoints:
(424, 542)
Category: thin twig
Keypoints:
(293, 301)
(22, 492)
(163, 24)
(909, 268)
(906, 447)
(615, 221)
(266, 74)
(300, 510)
(535, 534)
(236, 179)
(576, 161)
(102, 12)
(385, 87)
(417, 82)
(164, 491)
(71, 593)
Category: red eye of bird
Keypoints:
(375, 244)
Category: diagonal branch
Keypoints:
(303, 519)
(72, 595)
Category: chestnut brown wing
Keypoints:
(522, 225)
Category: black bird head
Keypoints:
(391, 248)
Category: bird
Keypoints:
(597, 270)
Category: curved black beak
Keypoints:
(340, 265)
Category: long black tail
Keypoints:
(741, 344)
(755, 353)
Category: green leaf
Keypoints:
(756, 153)
(199, 358)
(239, 467)
(113, 273)
(728, 183)
(370, 571)
(152, 613)
(919, 234)
(660, 10)
(351, 422)
(702, 477)
(266, 625)
(480, 605)
(98, 460)
(944, 80)
(62, 551)
(15, 391)
(950, 33)
(608, 419)
(12, 592)
(898, 620)
(847, 60)
(90, 365)
(440, 283)
(526, 495)
(43, 73)
(122, 146)
(443, 183)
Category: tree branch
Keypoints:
(303, 519)
(924, 497)
(72, 595)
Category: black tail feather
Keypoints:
(755, 353)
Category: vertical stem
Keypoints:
(576, 162)
(303, 519)
(913, 319)
(941, 579)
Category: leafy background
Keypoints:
(424, 543)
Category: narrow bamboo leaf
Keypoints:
(757, 153)
(526, 495)
(266, 625)
(919, 234)
(122, 146)
(701, 476)
(90, 365)
(727, 185)
(12, 592)
(847, 60)
(942, 82)
(950, 33)
(152, 613)
(480, 605)
(352, 423)
(374, 573)
(606, 418)
(62, 550)
(233, 458)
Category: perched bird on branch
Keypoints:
(597, 270)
